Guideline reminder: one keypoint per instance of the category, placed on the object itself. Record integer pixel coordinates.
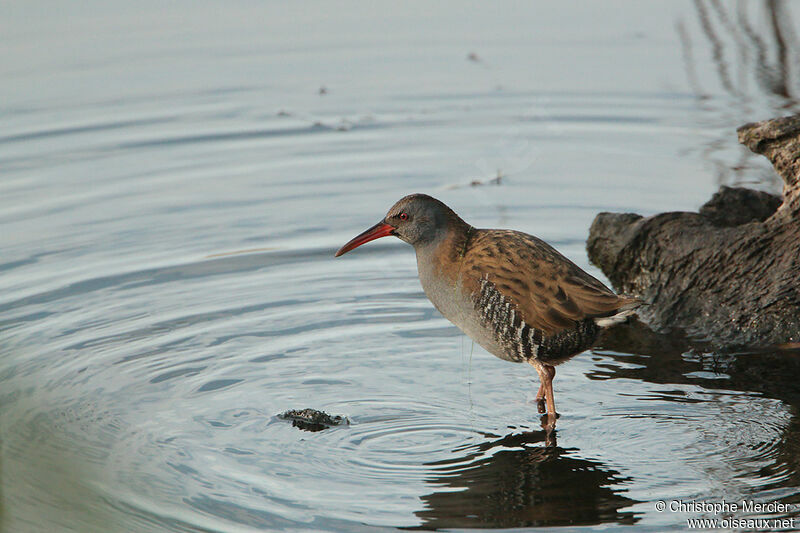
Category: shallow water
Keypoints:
(143, 363)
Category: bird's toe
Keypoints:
(540, 405)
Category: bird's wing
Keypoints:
(549, 291)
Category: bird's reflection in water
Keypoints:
(518, 481)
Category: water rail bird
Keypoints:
(511, 292)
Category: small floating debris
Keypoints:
(497, 180)
(472, 56)
(323, 90)
(313, 420)
(343, 125)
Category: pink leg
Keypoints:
(540, 399)
(550, 397)
(545, 395)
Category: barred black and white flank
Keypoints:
(523, 342)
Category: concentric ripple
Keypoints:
(176, 178)
(165, 416)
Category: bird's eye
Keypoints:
(403, 216)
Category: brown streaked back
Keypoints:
(550, 292)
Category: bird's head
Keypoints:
(417, 219)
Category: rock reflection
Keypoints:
(669, 359)
(672, 358)
(518, 481)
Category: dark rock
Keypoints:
(312, 420)
(729, 274)
(736, 206)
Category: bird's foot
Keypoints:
(541, 406)
(549, 421)
(549, 427)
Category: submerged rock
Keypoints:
(312, 420)
(729, 274)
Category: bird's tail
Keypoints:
(623, 313)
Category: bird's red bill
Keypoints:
(377, 231)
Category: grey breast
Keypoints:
(458, 306)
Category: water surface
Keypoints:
(143, 363)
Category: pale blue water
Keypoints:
(142, 370)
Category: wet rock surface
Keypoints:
(728, 274)
(312, 420)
